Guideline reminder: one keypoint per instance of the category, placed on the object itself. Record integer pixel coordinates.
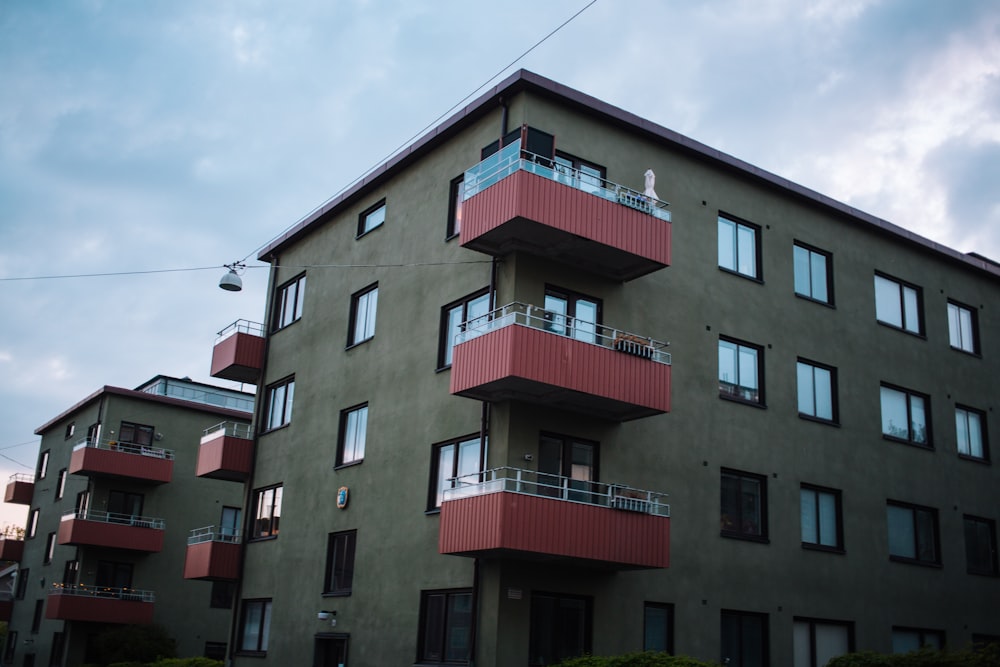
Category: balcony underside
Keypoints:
(81, 532)
(213, 561)
(519, 363)
(528, 213)
(19, 493)
(112, 463)
(523, 527)
(225, 457)
(238, 357)
(11, 550)
(99, 610)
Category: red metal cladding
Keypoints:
(6, 609)
(94, 461)
(238, 357)
(19, 492)
(522, 363)
(225, 457)
(521, 525)
(82, 532)
(535, 214)
(213, 561)
(11, 549)
(98, 609)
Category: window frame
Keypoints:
(423, 632)
(345, 416)
(984, 441)
(915, 528)
(32, 528)
(812, 623)
(537, 624)
(834, 418)
(446, 334)
(456, 199)
(578, 178)
(50, 549)
(909, 395)
(263, 626)
(276, 493)
(973, 333)
(286, 387)
(993, 569)
(438, 484)
(828, 273)
(142, 435)
(901, 304)
(668, 628)
(838, 528)
(730, 391)
(739, 533)
(922, 634)
(341, 548)
(296, 287)
(21, 585)
(362, 296)
(737, 223)
(43, 465)
(765, 639)
(363, 227)
(61, 484)
(70, 430)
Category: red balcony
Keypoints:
(99, 604)
(6, 607)
(238, 354)
(117, 531)
(226, 452)
(11, 549)
(20, 489)
(526, 515)
(523, 353)
(516, 201)
(213, 555)
(120, 459)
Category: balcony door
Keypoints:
(229, 522)
(571, 314)
(566, 467)
(124, 506)
(111, 574)
(560, 628)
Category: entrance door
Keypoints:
(566, 467)
(560, 628)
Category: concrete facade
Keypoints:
(757, 593)
(108, 530)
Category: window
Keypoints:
(93, 433)
(898, 304)
(43, 465)
(330, 649)
(288, 302)
(36, 619)
(744, 505)
(71, 572)
(222, 595)
(33, 523)
(363, 307)
(10, 648)
(124, 505)
(267, 512)
(658, 627)
(963, 328)
(50, 548)
(456, 195)
(980, 546)
(739, 247)
(578, 173)
(741, 375)
(353, 433)
(813, 272)
(567, 467)
(816, 642)
(61, 484)
(22, 583)
(560, 627)
(817, 385)
(279, 403)
(445, 626)
(114, 574)
(58, 646)
(905, 640)
(136, 434)
(70, 430)
(472, 309)
(340, 563)
(819, 509)
(970, 431)
(905, 416)
(744, 639)
(461, 459)
(571, 314)
(255, 626)
(913, 534)
(371, 218)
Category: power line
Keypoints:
(21, 444)
(119, 273)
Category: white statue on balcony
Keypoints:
(650, 182)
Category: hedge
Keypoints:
(647, 659)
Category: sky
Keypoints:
(140, 137)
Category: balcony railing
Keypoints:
(523, 314)
(558, 487)
(511, 159)
(24, 477)
(231, 429)
(20, 488)
(214, 534)
(103, 592)
(126, 448)
(116, 519)
(241, 326)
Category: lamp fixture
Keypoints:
(328, 616)
(231, 281)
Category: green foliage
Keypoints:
(988, 656)
(187, 662)
(646, 659)
(133, 645)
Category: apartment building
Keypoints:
(120, 490)
(566, 381)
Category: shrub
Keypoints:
(647, 659)
(133, 645)
(988, 656)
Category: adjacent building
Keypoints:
(117, 495)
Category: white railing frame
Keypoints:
(231, 428)
(241, 326)
(26, 477)
(132, 520)
(104, 592)
(213, 534)
(126, 448)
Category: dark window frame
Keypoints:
(668, 628)
(730, 391)
(973, 324)
(286, 397)
(838, 547)
(426, 654)
(922, 634)
(355, 338)
(263, 628)
(921, 331)
(568, 325)
(222, 595)
(456, 194)
(828, 257)
(36, 617)
(437, 483)
(70, 430)
(43, 465)
(932, 513)
(33, 516)
(535, 633)
(813, 622)
(10, 649)
(289, 302)
(911, 435)
(363, 228)
(341, 548)
(731, 528)
(765, 639)
(342, 437)
(992, 569)
(50, 549)
(275, 493)
(446, 334)
(61, 484)
(984, 436)
(134, 433)
(834, 397)
(758, 274)
(21, 585)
